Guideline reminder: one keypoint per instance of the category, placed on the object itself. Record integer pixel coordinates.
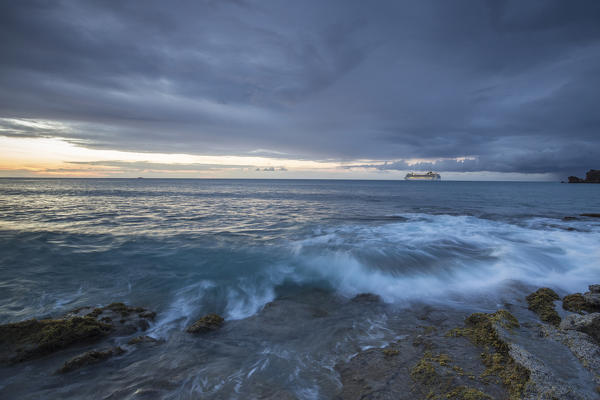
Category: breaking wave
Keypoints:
(424, 258)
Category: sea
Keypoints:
(282, 261)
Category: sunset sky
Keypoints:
(476, 90)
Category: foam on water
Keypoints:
(431, 258)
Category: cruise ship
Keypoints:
(430, 176)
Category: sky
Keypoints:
(474, 90)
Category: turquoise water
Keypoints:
(189, 247)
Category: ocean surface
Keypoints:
(281, 261)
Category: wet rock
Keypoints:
(124, 319)
(31, 339)
(593, 296)
(319, 313)
(391, 352)
(568, 218)
(543, 382)
(580, 345)
(588, 324)
(208, 323)
(575, 303)
(582, 303)
(485, 330)
(542, 303)
(89, 358)
(425, 364)
(143, 339)
(366, 298)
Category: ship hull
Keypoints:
(424, 178)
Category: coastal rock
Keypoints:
(542, 303)
(31, 339)
(592, 176)
(590, 215)
(124, 320)
(588, 324)
(543, 382)
(574, 179)
(592, 298)
(26, 340)
(89, 358)
(143, 339)
(580, 345)
(367, 298)
(488, 331)
(428, 363)
(524, 359)
(208, 323)
(575, 303)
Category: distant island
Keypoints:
(592, 176)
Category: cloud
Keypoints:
(140, 166)
(511, 84)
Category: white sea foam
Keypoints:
(431, 256)
(426, 258)
(182, 308)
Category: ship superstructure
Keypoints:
(430, 176)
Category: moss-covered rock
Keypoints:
(467, 393)
(142, 339)
(576, 303)
(424, 372)
(391, 352)
(542, 303)
(481, 329)
(440, 383)
(30, 339)
(124, 319)
(367, 298)
(210, 322)
(33, 338)
(89, 358)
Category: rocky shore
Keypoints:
(487, 356)
(492, 356)
(592, 176)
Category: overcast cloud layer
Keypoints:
(512, 84)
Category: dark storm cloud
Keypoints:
(512, 83)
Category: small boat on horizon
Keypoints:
(430, 176)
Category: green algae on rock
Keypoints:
(576, 303)
(89, 358)
(467, 393)
(441, 384)
(481, 329)
(542, 303)
(142, 339)
(30, 339)
(26, 340)
(124, 319)
(210, 322)
(391, 352)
